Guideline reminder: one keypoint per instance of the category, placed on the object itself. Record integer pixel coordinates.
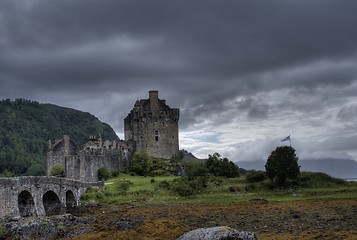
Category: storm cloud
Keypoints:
(244, 74)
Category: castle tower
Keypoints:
(153, 125)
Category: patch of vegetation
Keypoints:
(254, 176)
(2, 231)
(143, 164)
(57, 170)
(104, 174)
(211, 189)
(26, 126)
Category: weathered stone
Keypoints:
(218, 233)
(60, 226)
(37, 196)
(153, 126)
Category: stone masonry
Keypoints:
(153, 126)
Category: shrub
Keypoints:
(164, 185)
(122, 186)
(182, 187)
(57, 170)
(185, 186)
(93, 193)
(103, 174)
(254, 176)
(222, 167)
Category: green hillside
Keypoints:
(26, 126)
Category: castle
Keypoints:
(151, 126)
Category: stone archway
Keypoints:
(26, 204)
(51, 203)
(70, 200)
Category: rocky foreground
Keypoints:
(314, 219)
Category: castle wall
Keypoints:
(83, 162)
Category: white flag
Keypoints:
(286, 139)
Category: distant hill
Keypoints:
(26, 126)
(340, 168)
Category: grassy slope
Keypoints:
(146, 190)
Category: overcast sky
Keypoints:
(245, 74)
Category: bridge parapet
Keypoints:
(36, 196)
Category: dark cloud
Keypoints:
(223, 63)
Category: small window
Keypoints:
(156, 138)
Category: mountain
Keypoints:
(26, 126)
(340, 168)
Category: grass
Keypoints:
(151, 190)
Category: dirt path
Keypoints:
(316, 219)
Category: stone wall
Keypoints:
(82, 162)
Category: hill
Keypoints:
(26, 126)
(340, 168)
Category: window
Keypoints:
(156, 135)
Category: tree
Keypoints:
(141, 163)
(282, 164)
(221, 167)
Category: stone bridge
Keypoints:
(36, 196)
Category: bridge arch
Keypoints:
(51, 203)
(70, 199)
(26, 204)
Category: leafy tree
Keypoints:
(141, 163)
(282, 164)
(221, 167)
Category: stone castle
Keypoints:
(151, 126)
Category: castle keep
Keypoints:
(151, 126)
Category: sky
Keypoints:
(244, 74)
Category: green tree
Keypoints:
(221, 167)
(282, 164)
(141, 163)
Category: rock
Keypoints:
(45, 227)
(218, 233)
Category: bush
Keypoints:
(93, 193)
(182, 187)
(122, 186)
(103, 174)
(57, 170)
(185, 186)
(164, 185)
(222, 167)
(254, 176)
